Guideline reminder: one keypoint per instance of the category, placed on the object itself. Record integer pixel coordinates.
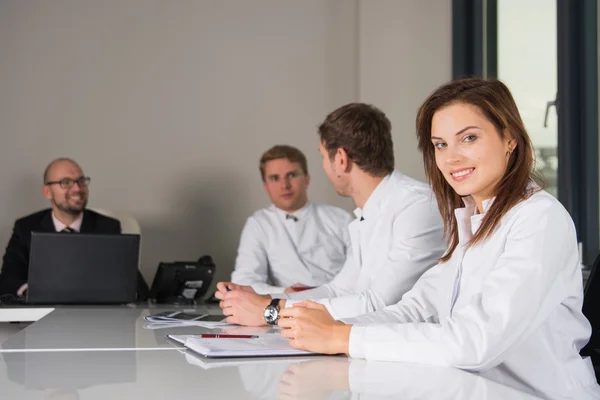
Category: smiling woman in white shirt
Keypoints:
(507, 295)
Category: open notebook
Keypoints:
(263, 346)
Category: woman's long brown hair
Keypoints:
(495, 102)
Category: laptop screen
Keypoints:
(83, 268)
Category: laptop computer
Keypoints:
(83, 268)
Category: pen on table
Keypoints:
(216, 336)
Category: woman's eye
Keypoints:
(470, 138)
(439, 145)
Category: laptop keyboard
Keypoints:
(12, 300)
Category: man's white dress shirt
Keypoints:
(75, 225)
(396, 237)
(307, 247)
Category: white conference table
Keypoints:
(175, 375)
(100, 328)
(106, 353)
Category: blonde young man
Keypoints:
(292, 244)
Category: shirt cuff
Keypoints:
(350, 321)
(21, 290)
(356, 346)
(289, 303)
(266, 289)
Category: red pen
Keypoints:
(301, 288)
(219, 336)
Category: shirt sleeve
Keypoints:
(525, 285)
(345, 232)
(417, 305)
(417, 243)
(252, 263)
(342, 284)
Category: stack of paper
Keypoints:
(183, 316)
(268, 345)
(169, 319)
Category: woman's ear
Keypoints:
(511, 141)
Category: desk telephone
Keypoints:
(182, 282)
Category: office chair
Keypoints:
(128, 222)
(591, 309)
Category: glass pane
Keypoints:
(527, 64)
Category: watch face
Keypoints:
(271, 314)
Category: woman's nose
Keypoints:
(452, 156)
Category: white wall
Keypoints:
(168, 105)
(405, 52)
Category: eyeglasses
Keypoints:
(67, 183)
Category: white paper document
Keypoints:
(263, 346)
(181, 319)
(181, 339)
(208, 325)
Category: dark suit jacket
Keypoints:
(15, 266)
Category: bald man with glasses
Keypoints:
(67, 189)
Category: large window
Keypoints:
(527, 64)
(547, 53)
